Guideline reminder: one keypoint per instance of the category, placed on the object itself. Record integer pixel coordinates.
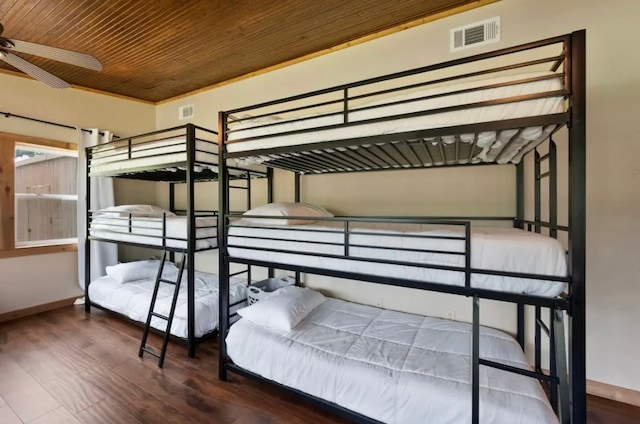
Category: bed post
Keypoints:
(519, 223)
(553, 312)
(475, 362)
(223, 265)
(172, 197)
(172, 208)
(270, 200)
(537, 195)
(269, 185)
(297, 200)
(191, 240)
(248, 190)
(577, 225)
(87, 242)
(297, 187)
(519, 195)
(537, 191)
(553, 189)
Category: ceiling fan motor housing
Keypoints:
(6, 43)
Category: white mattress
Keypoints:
(132, 299)
(161, 152)
(501, 249)
(148, 230)
(391, 366)
(489, 141)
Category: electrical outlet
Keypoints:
(451, 315)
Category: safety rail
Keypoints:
(150, 230)
(356, 239)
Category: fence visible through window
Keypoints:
(45, 196)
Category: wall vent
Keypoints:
(185, 112)
(475, 34)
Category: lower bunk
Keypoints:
(380, 365)
(128, 287)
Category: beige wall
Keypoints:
(54, 276)
(613, 203)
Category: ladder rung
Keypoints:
(151, 351)
(164, 317)
(162, 280)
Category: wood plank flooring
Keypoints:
(68, 367)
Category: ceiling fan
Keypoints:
(7, 46)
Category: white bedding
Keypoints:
(160, 152)
(501, 249)
(132, 299)
(148, 230)
(391, 366)
(490, 142)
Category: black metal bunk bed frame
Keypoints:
(567, 387)
(180, 173)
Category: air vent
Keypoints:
(185, 112)
(475, 34)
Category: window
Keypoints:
(38, 195)
(46, 196)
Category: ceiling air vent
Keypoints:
(185, 112)
(475, 34)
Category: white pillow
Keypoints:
(140, 270)
(135, 210)
(283, 309)
(286, 209)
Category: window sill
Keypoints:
(38, 250)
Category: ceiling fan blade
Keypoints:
(61, 55)
(33, 70)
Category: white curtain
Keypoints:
(102, 254)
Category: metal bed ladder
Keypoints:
(169, 319)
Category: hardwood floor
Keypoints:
(67, 367)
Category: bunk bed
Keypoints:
(181, 155)
(501, 108)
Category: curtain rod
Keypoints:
(12, 115)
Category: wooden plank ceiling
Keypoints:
(155, 50)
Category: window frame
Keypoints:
(8, 248)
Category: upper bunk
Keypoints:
(169, 155)
(491, 108)
(184, 154)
